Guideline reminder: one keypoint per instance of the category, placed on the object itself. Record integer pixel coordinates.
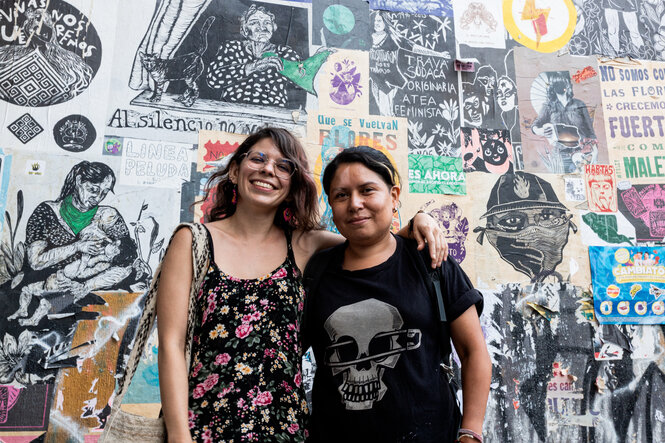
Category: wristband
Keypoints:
(469, 433)
(413, 219)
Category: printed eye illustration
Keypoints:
(512, 222)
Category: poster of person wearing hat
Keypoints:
(526, 223)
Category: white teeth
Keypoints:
(263, 185)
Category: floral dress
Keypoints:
(245, 382)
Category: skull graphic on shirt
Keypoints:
(367, 338)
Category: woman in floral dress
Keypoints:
(244, 382)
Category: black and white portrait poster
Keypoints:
(489, 94)
(54, 61)
(216, 65)
(412, 75)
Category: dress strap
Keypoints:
(289, 247)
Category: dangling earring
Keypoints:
(234, 198)
(287, 215)
(394, 210)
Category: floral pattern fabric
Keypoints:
(245, 382)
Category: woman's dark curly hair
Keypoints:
(302, 199)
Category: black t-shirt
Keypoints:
(375, 338)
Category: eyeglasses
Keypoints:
(283, 167)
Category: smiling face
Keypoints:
(495, 152)
(261, 186)
(362, 204)
(259, 27)
(87, 195)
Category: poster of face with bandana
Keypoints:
(528, 228)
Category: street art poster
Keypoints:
(489, 94)
(454, 221)
(634, 116)
(561, 120)
(619, 29)
(627, 284)
(344, 82)
(227, 66)
(479, 23)
(522, 323)
(431, 7)
(525, 232)
(434, 174)
(328, 134)
(575, 190)
(601, 188)
(78, 251)
(606, 229)
(643, 205)
(52, 62)
(155, 163)
(613, 341)
(341, 24)
(214, 148)
(543, 26)
(487, 150)
(412, 75)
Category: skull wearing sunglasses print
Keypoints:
(367, 339)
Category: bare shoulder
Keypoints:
(306, 243)
(181, 245)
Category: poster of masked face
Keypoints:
(524, 232)
(561, 120)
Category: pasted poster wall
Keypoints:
(540, 160)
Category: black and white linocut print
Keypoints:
(51, 57)
(412, 75)
(526, 223)
(620, 28)
(69, 234)
(489, 94)
(341, 24)
(238, 52)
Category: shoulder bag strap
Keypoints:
(200, 263)
(432, 279)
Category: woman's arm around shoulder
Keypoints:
(172, 307)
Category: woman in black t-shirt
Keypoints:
(373, 325)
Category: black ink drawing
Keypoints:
(564, 121)
(25, 128)
(487, 150)
(620, 28)
(527, 224)
(489, 98)
(411, 75)
(261, 57)
(58, 61)
(73, 247)
(432, 7)
(187, 67)
(341, 24)
(480, 106)
(74, 133)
